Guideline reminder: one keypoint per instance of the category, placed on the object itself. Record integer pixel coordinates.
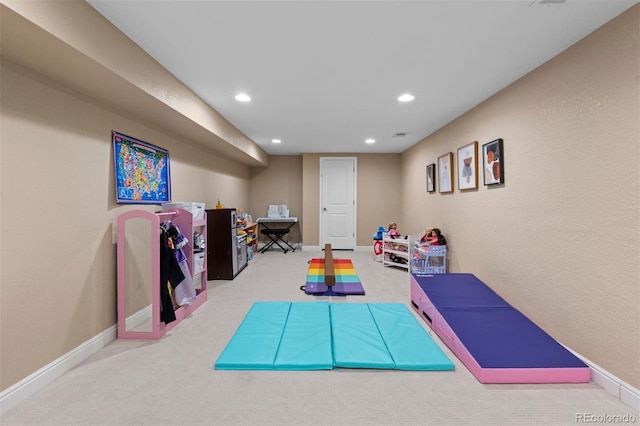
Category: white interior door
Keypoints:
(338, 202)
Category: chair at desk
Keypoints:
(275, 237)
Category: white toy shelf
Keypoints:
(396, 251)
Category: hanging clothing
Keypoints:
(184, 291)
(170, 273)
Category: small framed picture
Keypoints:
(468, 166)
(445, 170)
(493, 162)
(431, 178)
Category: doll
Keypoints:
(393, 230)
(426, 237)
(437, 239)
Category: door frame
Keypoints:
(355, 200)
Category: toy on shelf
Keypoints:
(396, 251)
(393, 231)
(377, 245)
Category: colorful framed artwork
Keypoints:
(468, 166)
(445, 170)
(493, 162)
(141, 171)
(431, 178)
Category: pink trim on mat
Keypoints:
(489, 375)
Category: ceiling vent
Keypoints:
(400, 134)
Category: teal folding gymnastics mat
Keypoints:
(323, 336)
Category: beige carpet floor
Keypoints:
(172, 381)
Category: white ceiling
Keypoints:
(325, 75)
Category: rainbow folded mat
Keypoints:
(347, 281)
(323, 336)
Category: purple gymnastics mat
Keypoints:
(495, 341)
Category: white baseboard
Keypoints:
(630, 395)
(612, 384)
(139, 318)
(616, 387)
(26, 387)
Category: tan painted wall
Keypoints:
(560, 239)
(280, 183)
(58, 215)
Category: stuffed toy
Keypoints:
(378, 235)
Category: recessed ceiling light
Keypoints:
(243, 97)
(406, 97)
(370, 141)
(276, 140)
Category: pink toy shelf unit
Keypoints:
(140, 307)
